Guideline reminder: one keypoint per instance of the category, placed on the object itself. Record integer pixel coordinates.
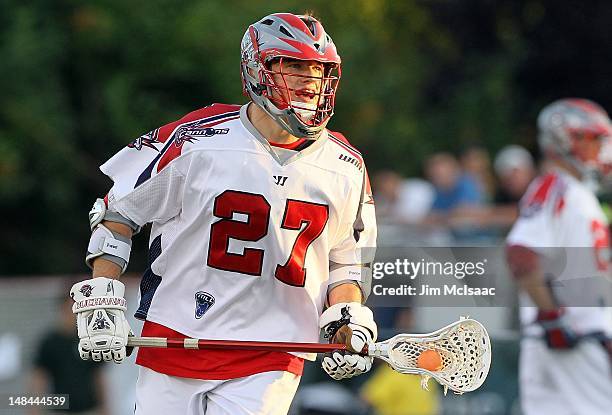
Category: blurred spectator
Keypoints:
(476, 162)
(468, 216)
(58, 369)
(401, 200)
(453, 188)
(460, 206)
(515, 169)
(386, 188)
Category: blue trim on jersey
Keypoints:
(150, 281)
(146, 174)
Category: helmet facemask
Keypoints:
(320, 93)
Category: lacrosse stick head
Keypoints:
(465, 349)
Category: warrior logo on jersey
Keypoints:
(280, 180)
(86, 290)
(147, 140)
(203, 302)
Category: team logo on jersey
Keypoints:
(203, 302)
(206, 132)
(349, 159)
(189, 135)
(147, 140)
(86, 290)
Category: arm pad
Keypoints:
(100, 212)
(108, 245)
(358, 274)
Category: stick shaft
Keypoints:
(187, 343)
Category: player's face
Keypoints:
(595, 152)
(589, 149)
(298, 80)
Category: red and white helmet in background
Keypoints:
(566, 129)
(280, 36)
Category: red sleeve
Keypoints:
(521, 260)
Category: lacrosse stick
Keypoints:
(464, 346)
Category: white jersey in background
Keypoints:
(561, 220)
(242, 236)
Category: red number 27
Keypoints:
(306, 217)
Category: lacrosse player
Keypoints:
(558, 252)
(263, 228)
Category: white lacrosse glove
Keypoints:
(352, 324)
(102, 327)
(343, 365)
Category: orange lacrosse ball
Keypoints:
(430, 360)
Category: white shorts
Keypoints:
(267, 393)
(572, 382)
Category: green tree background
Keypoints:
(80, 79)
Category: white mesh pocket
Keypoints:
(464, 347)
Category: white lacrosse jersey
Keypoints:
(562, 221)
(242, 236)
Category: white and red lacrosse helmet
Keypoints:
(288, 36)
(567, 129)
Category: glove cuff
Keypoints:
(98, 292)
(342, 314)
